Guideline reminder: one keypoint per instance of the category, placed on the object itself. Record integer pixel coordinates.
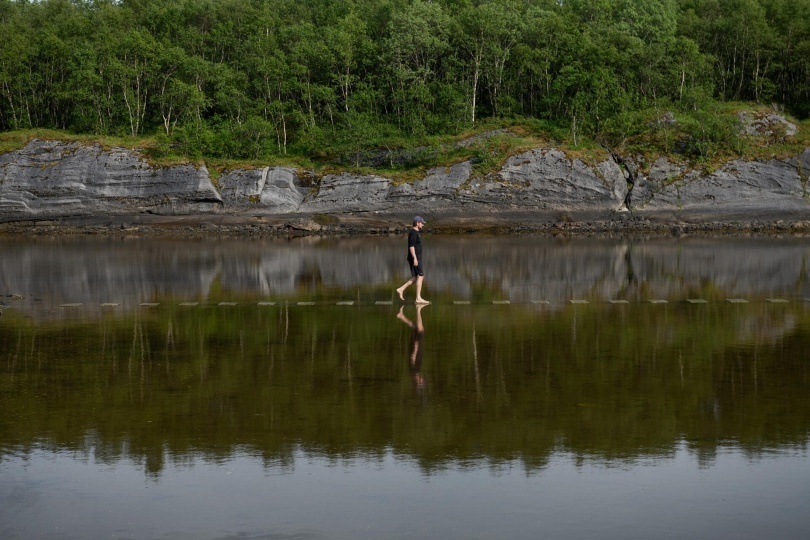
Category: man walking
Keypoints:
(415, 261)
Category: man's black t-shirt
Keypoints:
(415, 241)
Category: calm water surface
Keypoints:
(277, 389)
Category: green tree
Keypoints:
(13, 61)
(489, 32)
(790, 63)
(540, 55)
(348, 43)
(418, 39)
(739, 35)
(178, 97)
(135, 68)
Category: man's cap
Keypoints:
(419, 219)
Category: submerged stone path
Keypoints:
(310, 303)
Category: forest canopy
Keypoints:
(250, 79)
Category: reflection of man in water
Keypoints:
(417, 346)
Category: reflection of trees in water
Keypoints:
(506, 383)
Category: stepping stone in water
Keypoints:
(737, 300)
(696, 301)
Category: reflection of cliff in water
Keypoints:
(503, 383)
(129, 272)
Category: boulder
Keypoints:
(769, 125)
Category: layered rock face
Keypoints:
(54, 179)
(48, 179)
(545, 178)
(276, 189)
(739, 187)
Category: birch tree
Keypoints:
(133, 68)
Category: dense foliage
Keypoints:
(256, 78)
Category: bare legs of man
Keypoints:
(418, 281)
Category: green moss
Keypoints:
(214, 174)
(324, 219)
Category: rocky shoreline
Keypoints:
(60, 188)
(206, 226)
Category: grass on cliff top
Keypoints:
(402, 160)
(14, 140)
(487, 148)
(708, 139)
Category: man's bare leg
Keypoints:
(401, 290)
(419, 299)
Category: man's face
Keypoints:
(419, 225)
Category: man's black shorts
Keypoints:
(416, 270)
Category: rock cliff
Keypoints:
(52, 180)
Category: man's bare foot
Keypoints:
(422, 301)
(401, 296)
